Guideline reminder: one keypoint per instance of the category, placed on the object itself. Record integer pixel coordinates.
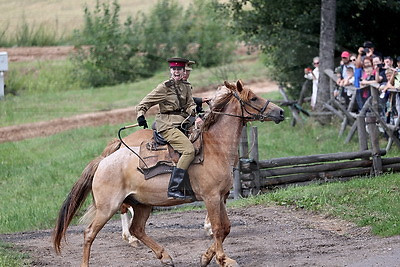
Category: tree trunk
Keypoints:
(326, 53)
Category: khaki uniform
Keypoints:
(175, 101)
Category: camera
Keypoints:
(365, 51)
(380, 65)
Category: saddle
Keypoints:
(159, 157)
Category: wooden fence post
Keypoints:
(362, 134)
(243, 146)
(243, 152)
(374, 136)
(237, 183)
(255, 156)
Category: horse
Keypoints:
(114, 178)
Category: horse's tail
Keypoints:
(78, 194)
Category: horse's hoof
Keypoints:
(230, 263)
(204, 261)
(167, 262)
(134, 243)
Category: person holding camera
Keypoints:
(314, 76)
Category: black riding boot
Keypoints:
(176, 184)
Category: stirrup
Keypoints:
(178, 195)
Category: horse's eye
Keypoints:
(253, 98)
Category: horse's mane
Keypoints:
(222, 97)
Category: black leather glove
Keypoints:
(142, 122)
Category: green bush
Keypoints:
(110, 59)
(138, 48)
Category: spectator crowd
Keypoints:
(357, 72)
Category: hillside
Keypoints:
(63, 15)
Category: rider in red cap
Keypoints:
(175, 101)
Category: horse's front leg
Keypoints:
(221, 227)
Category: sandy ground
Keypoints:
(260, 236)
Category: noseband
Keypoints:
(253, 116)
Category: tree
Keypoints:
(326, 50)
(289, 32)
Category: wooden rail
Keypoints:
(257, 175)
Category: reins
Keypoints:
(243, 105)
(122, 141)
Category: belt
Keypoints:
(174, 112)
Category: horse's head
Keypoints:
(254, 107)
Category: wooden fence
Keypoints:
(254, 175)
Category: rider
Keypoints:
(175, 101)
(198, 100)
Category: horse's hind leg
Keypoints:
(141, 214)
(126, 223)
(100, 219)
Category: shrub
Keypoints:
(110, 58)
(121, 53)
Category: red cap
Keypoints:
(177, 62)
(345, 54)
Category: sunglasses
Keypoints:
(316, 63)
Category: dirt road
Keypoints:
(260, 236)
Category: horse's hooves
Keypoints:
(204, 261)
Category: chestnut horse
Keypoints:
(113, 178)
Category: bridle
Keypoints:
(243, 104)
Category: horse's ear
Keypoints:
(229, 86)
(239, 85)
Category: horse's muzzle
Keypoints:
(279, 117)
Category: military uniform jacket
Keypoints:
(175, 101)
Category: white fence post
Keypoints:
(3, 68)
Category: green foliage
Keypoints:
(110, 59)
(289, 33)
(121, 53)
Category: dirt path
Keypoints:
(45, 128)
(260, 236)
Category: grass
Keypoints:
(10, 258)
(61, 16)
(372, 202)
(60, 99)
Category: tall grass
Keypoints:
(31, 34)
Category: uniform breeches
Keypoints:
(180, 143)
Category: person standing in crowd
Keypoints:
(345, 56)
(314, 76)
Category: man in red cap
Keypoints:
(175, 101)
(345, 64)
